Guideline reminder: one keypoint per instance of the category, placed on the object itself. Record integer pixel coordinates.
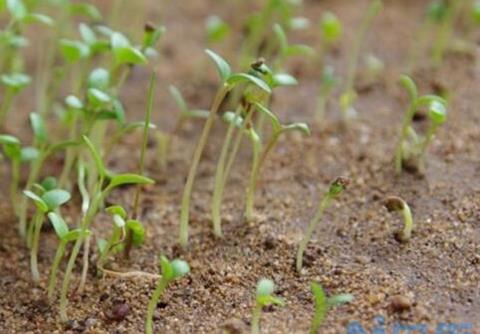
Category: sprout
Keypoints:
(264, 297)
(170, 271)
(323, 304)
(411, 146)
(14, 84)
(347, 99)
(229, 81)
(45, 203)
(217, 29)
(329, 81)
(65, 236)
(335, 189)
(122, 227)
(106, 182)
(331, 30)
(287, 50)
(394, 203)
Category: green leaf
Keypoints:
(117, 210)
(265, 287)
(38, 126)
(180, 268)
(125, 53)
(73, 102)
(410, 86)
(85, 9)
(137, 230)
(437, 112)
(54, 198)
(300, 50)
(224, 70)
(17, 9)
(102, 245)
(167, 270)
(231, 118)
(302, 127)
(29, 154)
(73, 51)
(427, 100)
(38, 18)
(340, 299)
(59, 225)
(75, 234)
(331, 27)
(97, 98)
(9, 140)
(39, 203)
(321, 306)
(88, 35)
(102, 171)
(237, 78)
(217, 29)
(11, 146)
(178, 98)
(284, 79)
(16, 81)
(281, 37)
(49, 183)
(119, 221)
(99, 78)
(121, 179)
(152, 35)
(271, 116)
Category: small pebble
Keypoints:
(400, 303)
(120, 311)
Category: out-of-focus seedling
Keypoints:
(14, 84)
(228, 81)
(46, 202)
(264, 297)
(335, 189)
(65, 236)
(331, 31)
(374, 68)
(170, 271)
(122, 226)
(395, 203)
(349, 95)
(217, 29)
(17, 154)
(412, 147)
(287, 50)
(323, 305)
(328, 82)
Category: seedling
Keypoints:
(411, 146)
(394, 203)
(217, 30)
(17, 154)
(106, 182)
(47, 202)
(170, 272)
(264, 297)
(323, 305)
(228, 81)
(122, 227)
(331, 31)
(14, 84)
(347, 99)
(287, 50)
(65, 236)
(328, 83)
(335, 190)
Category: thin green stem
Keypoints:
(256, 314)
(38, 222)
(407, 120)
(252, 184)
(6, 104)
(52, 280)
(152, 304)
(14, 184)
(219, 177)
(187, 192)
(407, 217)
(310, 229)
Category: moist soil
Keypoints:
(433, 278)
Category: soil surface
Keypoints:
(433, 278)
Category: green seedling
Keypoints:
(394, 203)
(45, 203)
(106, 182)
(122, 227)
(217, 30)
(170, 272)
(14, 84)
(17, 155)
(323, 305)
(228, 81)
(65, 236)
(328, 83)
(411, 147)
(331, 31)
(349, 95)
(335, 190)
(264, 297)
(286, 50)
